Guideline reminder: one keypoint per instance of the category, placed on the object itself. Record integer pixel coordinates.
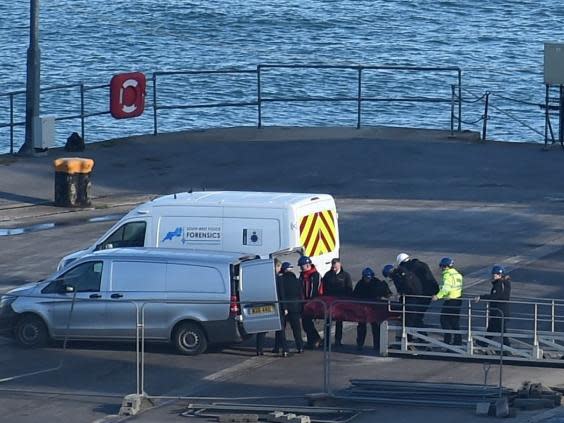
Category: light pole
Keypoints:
(33, 83)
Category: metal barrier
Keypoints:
(258, 98)
(533, 335)
(82, 114)
(534, 340)
(142, 340)
(71, 302)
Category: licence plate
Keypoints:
(262, 309)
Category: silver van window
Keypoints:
(131, 234)
(85, 277)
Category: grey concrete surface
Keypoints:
(396, 190)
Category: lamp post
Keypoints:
(33, 83)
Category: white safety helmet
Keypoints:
(401, 258)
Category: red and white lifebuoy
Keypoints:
(127, 95)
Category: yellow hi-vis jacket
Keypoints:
(452, 284)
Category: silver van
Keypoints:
(190, 298)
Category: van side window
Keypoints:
(85, 277)
(131, 234)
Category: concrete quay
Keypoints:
(413, 190)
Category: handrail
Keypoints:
(259, 99)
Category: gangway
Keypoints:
(530, 333)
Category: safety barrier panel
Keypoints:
(532, 331)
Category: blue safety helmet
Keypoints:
(367, 272)
(387, 270)
(304, 260)
(446, 262)
(498, 270)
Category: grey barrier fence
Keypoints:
(81, 115)
(87, 110)
(537, 335)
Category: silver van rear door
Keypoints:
(258, 297)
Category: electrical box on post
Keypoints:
(44, 132)
(554, 63)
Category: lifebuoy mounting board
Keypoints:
(127, 95)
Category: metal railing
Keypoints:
(258, 99)
(529, 349)
(82, 112)
(533, 329)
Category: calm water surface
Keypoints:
(498, 44)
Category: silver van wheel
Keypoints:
(30, 331)
(190, 339)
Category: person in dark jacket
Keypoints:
(428, 282)
(499, 296)
(337, 283)
(312, 287)
(407, 285)
(280, 335)
(292, 309)
(370, 288)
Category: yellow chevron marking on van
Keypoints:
(317, 233)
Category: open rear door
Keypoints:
(258, 297)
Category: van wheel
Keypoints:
(31, 332)
(190, 339)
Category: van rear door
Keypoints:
(258, 297)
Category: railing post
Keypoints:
(137, 348)
(536, 349)
(469, 343)
(155, 126)
(327, 315)
(359, 98)
(143, 350)
(384, 341)
(487, 314)
(259, 99)
(485, 117)
(546, 115)
(553, 317)
(452, 97)
(459, 100)
(82, 110)
(403, 328)
(11, 123)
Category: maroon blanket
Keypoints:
(348, 312)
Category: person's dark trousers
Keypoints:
(294, 320)
(450, 320)
(494, 325)
(338, 332)
(361, 335)
(280, 336)
(280, 339)
(422, 309)
(313, 338)
(412, 315)
(260, 342)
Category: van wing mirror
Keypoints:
(69, 289)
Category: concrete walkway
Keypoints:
(396, 189)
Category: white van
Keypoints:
(261, 223)
(190, 298)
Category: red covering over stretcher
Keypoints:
(349, 312)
